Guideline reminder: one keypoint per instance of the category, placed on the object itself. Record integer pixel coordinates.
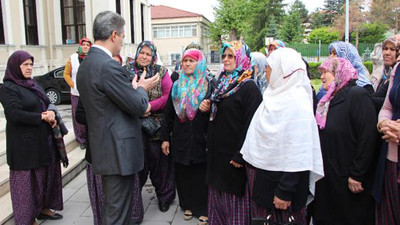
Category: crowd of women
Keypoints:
(251, 145)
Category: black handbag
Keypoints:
(150, 125)
(61, 146)
(270, 221)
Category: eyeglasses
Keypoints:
(230, 56)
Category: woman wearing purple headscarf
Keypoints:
(346, 118)
(35, 172)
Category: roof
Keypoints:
(166, 12)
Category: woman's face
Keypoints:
(389, 54)
(26, 68)
(268, 71)
(188, 65)
(327, 78)
(145, 55)
(85, 47)
(333, 53)
(228, 59)
(271, 48)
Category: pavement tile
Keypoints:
(78, 181)
(71, 213)
(82, 195)
(154, 214)
(68, 192)
(178, 219)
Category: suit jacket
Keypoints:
(27, 134)
(112, 110)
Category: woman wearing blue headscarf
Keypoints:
(348, 51)
(259, 61)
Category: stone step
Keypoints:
(70, 144)
(76, 165)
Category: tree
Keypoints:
(298, 6)
(273, 27)
(371, 32)
(332, 9)
(318, 19)
(386, 12)
(292, 30)
(231, 18)
(327, 35)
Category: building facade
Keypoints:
(173, 29)
(51, 29)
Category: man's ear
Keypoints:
(114, 35)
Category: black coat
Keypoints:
(225, 137)
(27, 134)
(188, 139)
(348, 145)
(379, 96)
(80, 117)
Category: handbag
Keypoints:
(268, 220)
(60, 145)
(150, 125)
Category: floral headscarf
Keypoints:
(348, 51)
(151, 67)
(81, 54)
(230, 83)
(344, 73)
(190, 89)
(14, 74)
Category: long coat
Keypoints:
(112, 110)
(348, 145)
(27, 134)
(225, 137)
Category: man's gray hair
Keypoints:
(105, 23)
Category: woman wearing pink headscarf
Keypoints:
(346, 118)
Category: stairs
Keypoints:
(76, 165)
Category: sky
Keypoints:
(205, 7)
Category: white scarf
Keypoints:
(283, 134)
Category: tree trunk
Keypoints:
(233, 35)
(396, 22)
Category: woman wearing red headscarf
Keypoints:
(70, 72)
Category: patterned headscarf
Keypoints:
(344, 73)
(348, 51)
(230, 82)
(278, 44)
(258, 59)
(190, 89)
(151, 67)
(81, 54)
(395, 39)
(14, 74)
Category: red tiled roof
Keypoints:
(166, 12)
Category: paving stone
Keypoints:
(71, 213)
(78, 181)
(68, 192)
(154, 214)
(82, 195)
(178, 219)
(88, 212)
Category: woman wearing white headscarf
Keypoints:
(282, 148)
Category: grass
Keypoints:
(316, 83)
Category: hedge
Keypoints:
(315, 74)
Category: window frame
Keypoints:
(31, 27)
(75, 24)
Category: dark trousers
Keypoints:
(117, 199)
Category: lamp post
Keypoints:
(347, 22)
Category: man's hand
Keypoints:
(148, 83)
(148, 111)
(235, 164)
(281, 204)
(355, 186)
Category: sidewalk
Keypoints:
(77, 208)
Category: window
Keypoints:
(174, 56)
(175, 31)
(31, 33)
(118, 6)
(73, 20)
(2, 40)
(142, 17)
(131, 10)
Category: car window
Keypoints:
(59, 74)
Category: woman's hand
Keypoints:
(390, 130)
(165, 147)
(148, 111)
(235, 164)
(205, 105)
(281, 204)
(50, 118)
(355, 186)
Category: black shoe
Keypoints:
(163, 206)
(56, 216)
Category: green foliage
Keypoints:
(325, 34)
(318, 19)
(298, 6)
(292, 30)
(262, 50)
(371, 33)
(369, 66)
(314, 73)
(272, 27)
(316, 83)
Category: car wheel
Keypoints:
(54, 96)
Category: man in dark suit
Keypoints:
(113, 106)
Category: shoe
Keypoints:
(163, 207)
(56, 216)
(187, 215)
(203, 220)
(82, 146)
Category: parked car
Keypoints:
(55, 86)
